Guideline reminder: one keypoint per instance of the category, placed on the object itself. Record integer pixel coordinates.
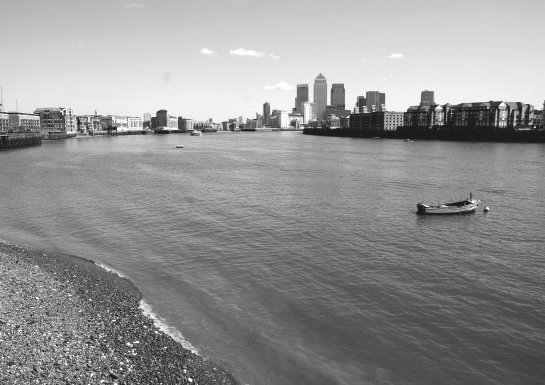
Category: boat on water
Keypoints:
(196, 133)
(465, 206)
(179, 146)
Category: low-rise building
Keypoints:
(24, 121)
(57, 119)
(134, 123)
(114, 122)
(4, 119)
(381, 120)
(89, 123)
(296, 119)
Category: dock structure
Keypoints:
(9, 142)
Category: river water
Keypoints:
(294, 259)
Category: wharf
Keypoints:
(12, 141)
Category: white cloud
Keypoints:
(206, 51)
(396, 55)
(133, 5)
(246, 52)
(280, 86)
(275, 57)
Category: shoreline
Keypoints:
(66, 319)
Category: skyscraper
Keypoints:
(375, 101)
(382, 101)
(360, 103)
(302, 96)
(337, 96)
(266, 113)
(320, 96)
(427, 96)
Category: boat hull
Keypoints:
(448, 209)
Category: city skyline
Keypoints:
(127, 59)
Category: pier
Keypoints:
(9, 142)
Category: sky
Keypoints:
(222, 59)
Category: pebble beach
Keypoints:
(65, 320)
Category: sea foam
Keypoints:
(162, 325)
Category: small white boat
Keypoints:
(196, 133)
(179, 146)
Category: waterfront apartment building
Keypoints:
(309, 112)
(89, 123)
(492, 115)
(266, 113)
(427, 97)
(338, 96)
(536, 119)
(57, 119)
(166, 120)
(320, 96)
(280, 119)
(186, 125)
(426, 115)
(379, 120)
(302, 97)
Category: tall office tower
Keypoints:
(320, 96)
(302, 96)
(427, 96)
(147, 117)
(372, 101)
(382, 101)
(240, 120)
(337, 96)
(266, 113)
(360, 103)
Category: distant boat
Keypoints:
(179, 146)
(465, 206)
(196, 133)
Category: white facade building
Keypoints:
(309, 112)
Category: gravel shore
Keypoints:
(68, 321)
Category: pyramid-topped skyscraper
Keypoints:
(320, 96)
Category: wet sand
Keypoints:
(67, 320)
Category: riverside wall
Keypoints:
(470, 135)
